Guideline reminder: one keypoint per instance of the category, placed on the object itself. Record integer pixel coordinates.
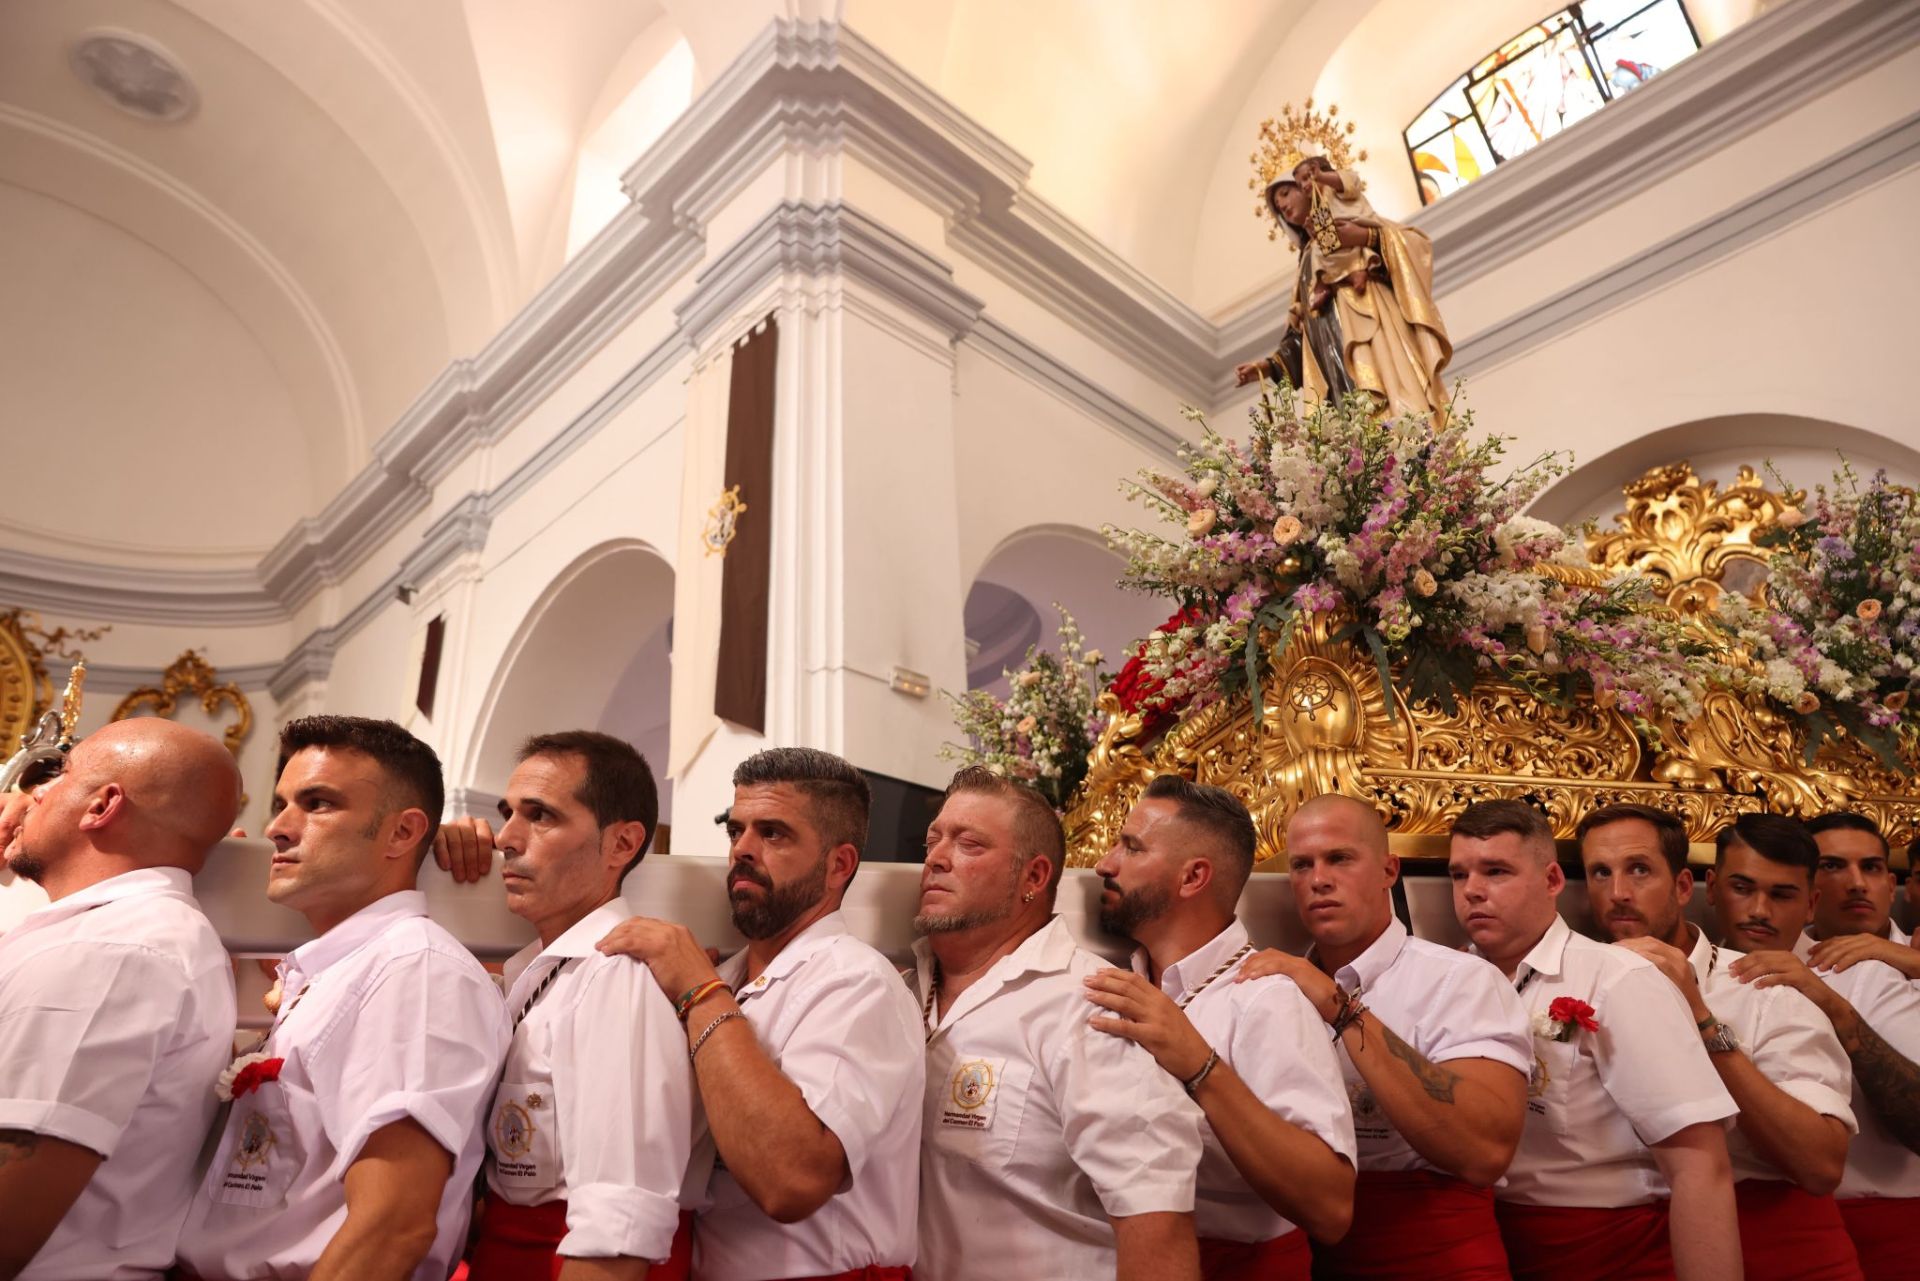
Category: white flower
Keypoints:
(1208, 484)
(1092, 657)
(223, 1087)
(1027, 679)
(1544, 1028)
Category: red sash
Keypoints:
(1415, 1225)
(1286, 1257)
(1569, 1243)
(520, 1243)
(1787, 1234)
(872, 1272)
(1882, 1228)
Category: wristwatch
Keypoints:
(1719, 1038)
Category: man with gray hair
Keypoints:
(803, 1044)
(1052, 1150)
(1255, 1056)
(1624, 1106)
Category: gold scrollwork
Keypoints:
(26, 689)
(1329, 726)
(192, 674)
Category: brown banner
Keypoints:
(740, 687)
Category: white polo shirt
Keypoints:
(1038, 1128)
(1789, 1040)
(1279, 1045)
(832, 1012)
(116, 1018)
(596, 1105)
(1596, 1101)
(1878, 1164)
(386, 1017)
(1447, 1005)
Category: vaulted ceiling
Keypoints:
(212, 319)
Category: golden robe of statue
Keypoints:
(1363, 317)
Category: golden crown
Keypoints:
(1295, 135)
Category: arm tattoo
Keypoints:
(1437, 1081)
(1891, 1083)
(17, 1145)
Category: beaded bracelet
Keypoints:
(707, 1031)
(694, 995)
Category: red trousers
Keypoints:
(1884, 1233)
(1790, 1235)
(1415, 1225)
(1284, 1258)
(1568, 1243)
(872, 1272)
(521, 1243)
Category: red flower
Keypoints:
(254, 1075)
(1132, 685)
(1565, 1009)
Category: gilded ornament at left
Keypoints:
(26, 690)
(193, 674)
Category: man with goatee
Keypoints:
(1776, 1054)
(804, 1044)
(1052, 1150)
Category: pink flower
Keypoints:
(1287, 530)
(1790, 518)
(1201, 522)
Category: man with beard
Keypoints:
(592, 1125)
(1625, 1108)
(1762, 891)
(1279, 1134)
(1853, 899)
(804, 1044)
(116, 1004)
(356, 1131)
(1052, 1150)
(1434, 1049)
(1776, 1054)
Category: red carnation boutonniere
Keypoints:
(1564, 1017)
(245, 1075)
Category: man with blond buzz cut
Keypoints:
(804, 1043)
(116, 1005)
(1763, 891)
(350, 1151)
(1624, 1104)
(1775, 1052)
(1255, 1056)
(1433, 1047)
(1052, 1149)
(592, 1125)
(1853, 899)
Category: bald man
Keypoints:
(116, 1005)
(1434, 1049)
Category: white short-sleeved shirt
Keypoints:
(385, 1018)
(1040, 1129)
(1447, 1005)
(1789, 1040)
(1279, 1045)
(1599, 1099)
(1897, 934)
(116, 1018)
(1878, 1164)
(832, 1013)
(596, 1104)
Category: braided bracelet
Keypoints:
(694, 995)
(707, 1031)
(1350, 1012)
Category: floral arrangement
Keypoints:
(245, 1075)
(1564, 1016)
(1044, 730)
(1404, 525)
(1838, 641)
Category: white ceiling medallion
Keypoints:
(135, 75)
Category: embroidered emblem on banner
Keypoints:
(971, 1094)
(513, 1130)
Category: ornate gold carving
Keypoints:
(192, 674)
(1329, 726)
(26, 690)
(723, 522)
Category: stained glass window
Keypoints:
(1561, 69)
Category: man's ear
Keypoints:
(1195, 878)
(1556, 877)
(410, 827)
(103, 807)
(620, 843)
(842, 862)
(1683, 886)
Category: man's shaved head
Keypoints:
(1357, 819)
(144, 792)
